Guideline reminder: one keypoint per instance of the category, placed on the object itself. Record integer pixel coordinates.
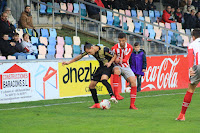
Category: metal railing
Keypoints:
(99, 23)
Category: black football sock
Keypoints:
(108, 86)
(94, 95)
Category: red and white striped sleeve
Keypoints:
(128, 54)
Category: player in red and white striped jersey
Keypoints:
(194, 71)
(122, 51)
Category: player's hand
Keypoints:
(143, 70)
(108, 64)
(117, 60)
(65, 63)
(192, 72)
(12, 44)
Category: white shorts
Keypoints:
(126, 72)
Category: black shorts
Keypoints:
(102, 71)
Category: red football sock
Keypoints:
(116, 84)
(186, 101)
(133, 95)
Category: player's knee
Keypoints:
(92, 86)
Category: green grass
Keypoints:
(156, 114)
(83, 37)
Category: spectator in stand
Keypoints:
(182, 3)
(7, 47)
(26, 18)
(6, 26)
(198, 20)
(166, 17)
(196, 4)
(178, 15)
(151, 6)
(173, 14)
(93, 12)
(3, 4)
(190, 22)
(26, 44)
(144, 5)
(120, 4)
(189, 4)
(99, 3)
(133, 4)
(10, 17)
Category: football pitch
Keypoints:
(156, 113)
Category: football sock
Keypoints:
(116, 84)
(94, 95)
(186, 101)
(108, 86)
(133, 95)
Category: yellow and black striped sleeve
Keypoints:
(108, 52)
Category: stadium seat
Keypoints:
(42, 50)
(169, 39)
(130, 26)
(2, 58)
(44, 41)
(128, 12)
(63, 7)
(52, 41)
(146, 33)
(185, 41)
(103, 20)
(57, 5)
(11, 57)
(21, 57)
(50, 57)
(83, 10)
(51, 49)
(49, 9)
(116, 21)
(68, 51)
(76, 8)
(157, 13)
(44, 33)
(68, 40)
(173, 26)
(133, 13)
(110, 20)
(38, 32)
(76, 40)
(67, 56)
(76, 49)
(60, 41)
(28, 31)
(20, 32)
(69, 7)
(43, 8)
(31, 57)
(179, 26)
(59, 56)
(151, 33)
(125, 26)
(158, 33)
(147, 19)
(188, 32)
(52, 32)
(167, 25)
(179, 41)
(149, 26)
(182, 31)
(153, 19)
(115, 14)
(145, 13)
(34, 40)
(137, 27)
(120, 17)
(162, 24)
(41, 56)
(74, 55)
(142, 24)
(139, 13)
(35, 49)
(59, 49)
(151, 13)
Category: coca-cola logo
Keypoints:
(163, 76)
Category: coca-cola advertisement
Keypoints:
(166, 72)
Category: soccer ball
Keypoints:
(105, 104)
(128, 89)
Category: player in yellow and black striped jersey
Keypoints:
(106, 58)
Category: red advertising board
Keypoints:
(166, 72)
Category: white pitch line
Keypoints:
(28, 107)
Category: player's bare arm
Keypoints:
(73, 60)
(111, 61)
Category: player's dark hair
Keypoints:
(16, 34)
(87, 45)
(136, 44)
(196, 33)
(25, 34)
(27, 6)
(4, 34)
(122, 35)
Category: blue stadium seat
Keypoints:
(188, 32)
(153, 19)
(76, 8)
(125, 26)
(57, 5)
(116, 21)
(110, 20)
(38, 32)
(170, 33)
(152, 33)
(179, 41)
(34, 40)
(157, 13)
(151, 13)
(50, 57)
(52, 32)
(137, 27)
(74, 55)
(149, 27)
(43, 8)
(169, 39)
(29, 31)
(44, 33)
(31, 57)
(173, 40)
(51, 49)
(173, 26)
(83, 6)
(109, 14)
(83, 10)
(145, 13)
(21, 57)
(76, 49)
(52, 41)
(142, 24)
(49, 9)
(133, 13)
(68, 40)
(35, 49)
